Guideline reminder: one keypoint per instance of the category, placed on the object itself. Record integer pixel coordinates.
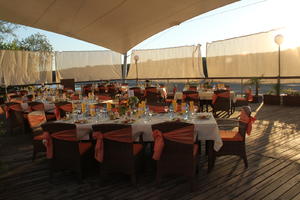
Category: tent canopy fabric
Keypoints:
(118, 25)
(176, 62)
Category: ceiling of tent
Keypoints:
(118, 25)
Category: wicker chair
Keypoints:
(193, 96)
(14, 117)
(39, 106)
(36, 119)
(62, 108)
(222, 102)
(234, 141)
(118, 156)
(68, 152)
(176, 157)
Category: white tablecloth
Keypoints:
(205, 129)
(205, 95)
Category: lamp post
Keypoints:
(278, 40)
(136, 58)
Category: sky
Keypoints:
(241, 18)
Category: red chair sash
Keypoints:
(192, 96)
(37, 107)
(15, 107)
(157, 109)
(36, 120)
(183, 135)
(122, 135)
(249, 95)
(74, 97)
(248, 120)
(104, 97)
(68, 135)
(66, 107)
(222, 94)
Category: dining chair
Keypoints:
(116, 150)
(191, 95)
(39, 106)
(234, 141)
(36, 119)
(222, 102)
(64, 150)
(175, 150)
(14, 117)
(61, 108)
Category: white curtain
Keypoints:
(176, 62)
(25, 67)
(88, 65)
(252, 56)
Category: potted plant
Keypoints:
(291, 97)
(272, 97)
(256, 82)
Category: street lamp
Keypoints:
(278, 40)
(136, 58)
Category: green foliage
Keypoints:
(36, 42)
(256, 82)
(7, 30)
(133, 101)
(291, 92)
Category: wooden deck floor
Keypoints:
(274, 170)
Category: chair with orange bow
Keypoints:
(64, 150)
(39, 106)
(190, 95)
(14, 117)
(244, 101)
(36, 119)
(175, 150)
(221, 101)
(61, 108)
(138, 93)
(116, 150)
(234, 141)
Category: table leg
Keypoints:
(210, 155)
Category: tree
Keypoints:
(36, 42)
(7, 30)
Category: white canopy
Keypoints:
(115, 24)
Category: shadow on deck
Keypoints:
(274, 170)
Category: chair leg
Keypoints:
(133, 179)
(33, 155)
(245, 160)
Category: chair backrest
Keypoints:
(15, 113)
(101, 89)
(190, 96)
(176, 157)
(116, 153)
(69, 84)
(66, 152)
(151, 89)
(36, 119)
(182, 151)
(63, 107)
(36, 106)
(242, 129)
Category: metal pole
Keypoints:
(137, 72)
(124, 68)
(279, 72)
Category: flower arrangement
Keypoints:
(133, 101)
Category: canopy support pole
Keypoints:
(124, 67)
